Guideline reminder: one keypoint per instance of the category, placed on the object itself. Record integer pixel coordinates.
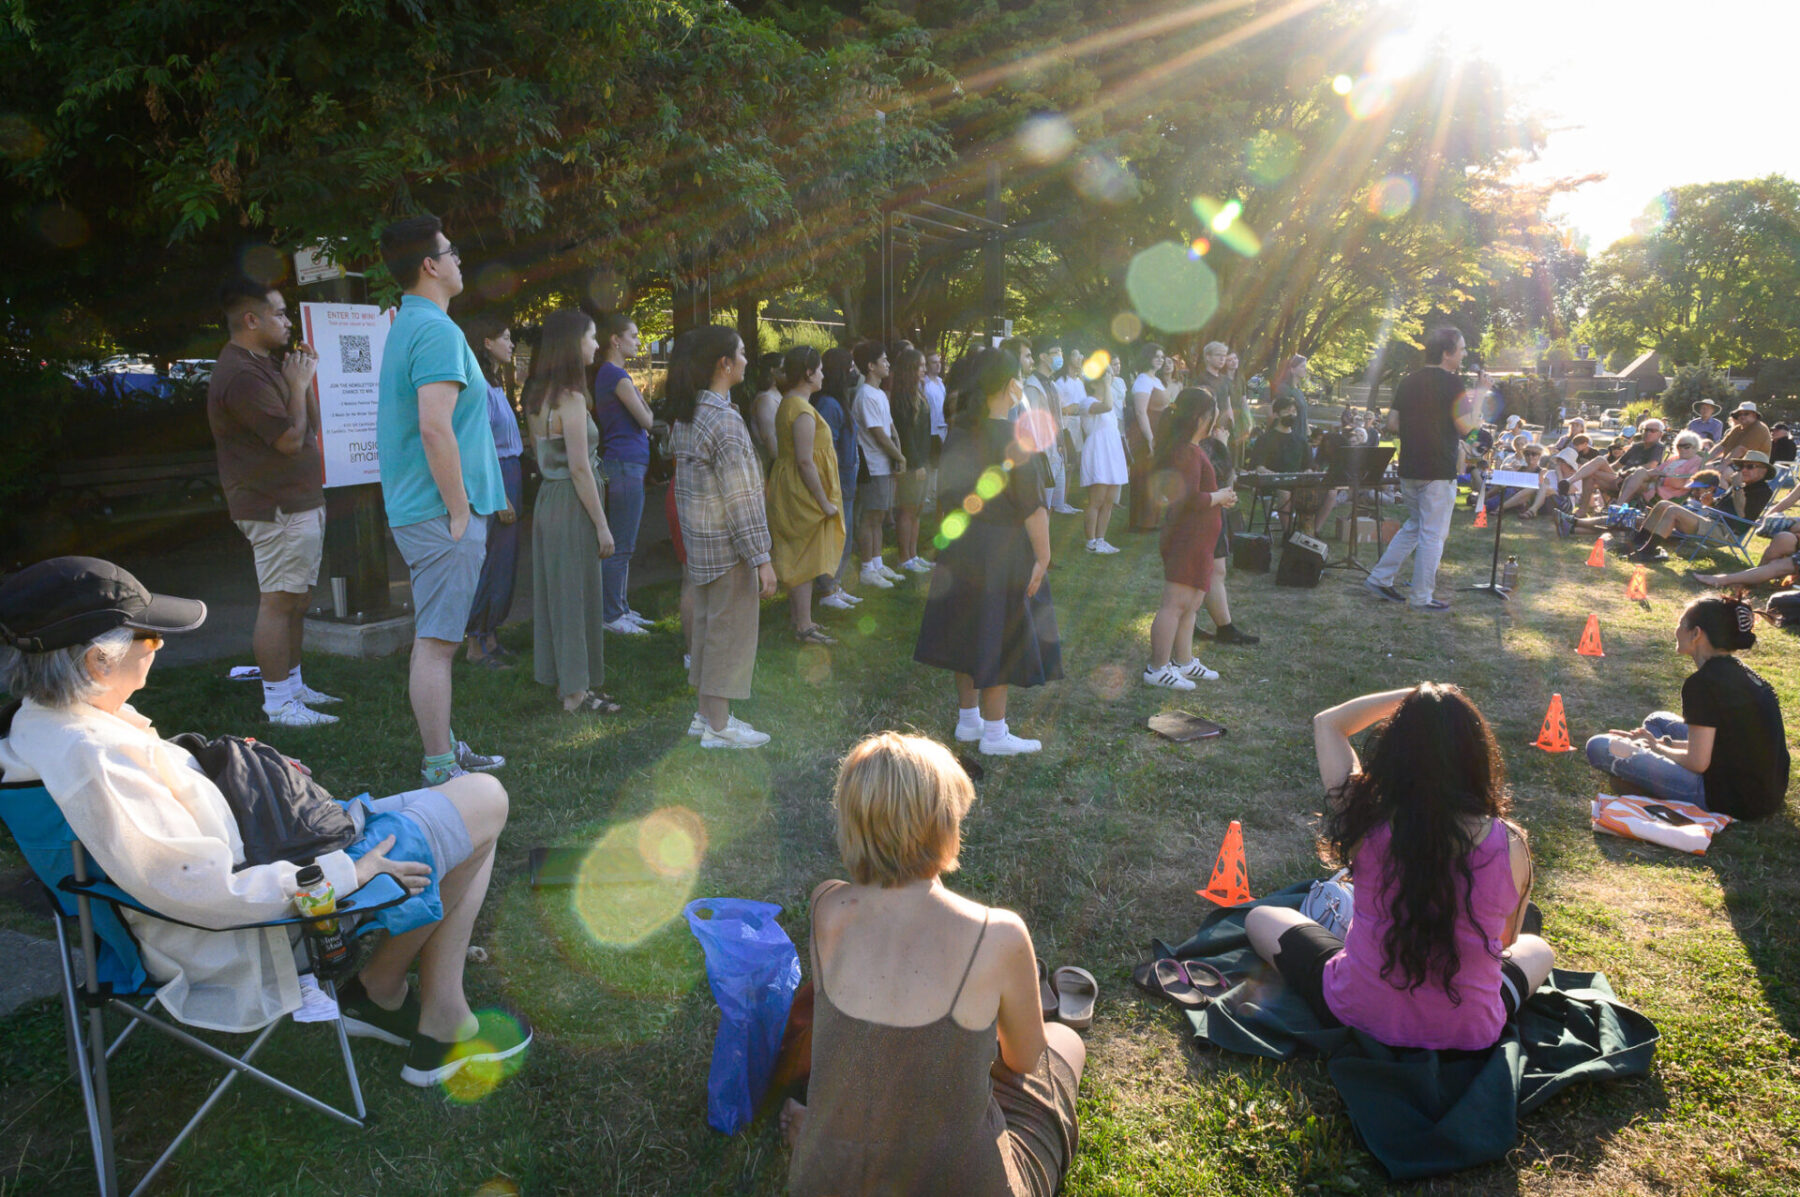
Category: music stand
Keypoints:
(1522, 480)
(1360, 468)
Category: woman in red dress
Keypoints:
(1196, 504)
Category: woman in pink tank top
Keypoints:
(1433, 957)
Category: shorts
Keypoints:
(909, 490)
(445, 574)
(1303, 951)
(1775, 525)
(288, 550)
(875, 493)
(437, 818)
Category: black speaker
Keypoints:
(1250, 554)
(1302, 561)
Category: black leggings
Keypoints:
(1302, 951)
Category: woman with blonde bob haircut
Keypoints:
(914, 985)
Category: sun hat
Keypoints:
(66, 601)
(1703, 403)
(1755, 457)
(1745, 406)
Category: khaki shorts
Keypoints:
(724, 634)
(288, 550)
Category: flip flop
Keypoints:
(1190, 984)
(1076, 990)
(1046, 992)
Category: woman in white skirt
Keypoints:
(1103, 466)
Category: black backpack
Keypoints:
(281, 813)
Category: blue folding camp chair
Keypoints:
(113, 972)
(1721, 533)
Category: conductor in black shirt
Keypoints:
(1432, 412)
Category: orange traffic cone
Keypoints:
(1481, 516)
(1590, 639)
(1230, 884)
(1554, 735)
(1598, 556)
(1638, 589)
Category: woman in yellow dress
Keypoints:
(804, 520)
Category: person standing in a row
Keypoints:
(1148, 400)
(492, 340)
(440, 475)
(724, 526)
(989, 619)
(569, 532)
(624, 421)
(806, 525)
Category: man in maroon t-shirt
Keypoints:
(265, 424)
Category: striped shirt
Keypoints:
(718, 490)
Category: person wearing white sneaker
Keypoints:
(989, 618)
(871, 574)
(878, 441)
(724, 526)
(912, 420)
(1189, 533)
(837, 600)
(625, 627)
(735, 734)
(294, 713)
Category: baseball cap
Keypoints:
(67, 601)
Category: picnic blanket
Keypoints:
(1422, 1113)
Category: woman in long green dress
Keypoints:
(569, 533)
(805, 525)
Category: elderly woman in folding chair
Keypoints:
(77, 639)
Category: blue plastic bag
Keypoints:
(753, 970)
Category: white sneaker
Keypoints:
(1106, 548)
(836, 599)
(637, 617)
(294, 713)
(891, 575)
(624, 627)
(737, 734)
(1093, 546)
(968, 733)
(313, 698)
(477, 762)
(1167, 678)
(1008, 745)
(917, 565)
(870, 577)
(1194, 671)
(852, 599)
(687, 661)
(1065, 509)
(698, 727)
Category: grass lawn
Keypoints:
(1099, 841)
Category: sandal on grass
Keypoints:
(815, 635)
(1076, 990)
(600, 704)
(1191, 984)
(1047, 998)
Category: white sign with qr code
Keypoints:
(348, 338)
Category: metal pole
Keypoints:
(96, 1019)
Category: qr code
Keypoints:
(354, 355)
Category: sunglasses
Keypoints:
(156, 636)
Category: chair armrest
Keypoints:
(381, 892)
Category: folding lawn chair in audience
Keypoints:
(112, 971)
(1720, 531)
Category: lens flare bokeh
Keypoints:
(1046, 138)
(478, 1078)
(638, 875)
(1171, 290)
(1097, 363)
(1126, 327)
(1392, 197)
(1225, 220)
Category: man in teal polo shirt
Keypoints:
(440, 474)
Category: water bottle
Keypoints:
(1509, 574)
(315, 896)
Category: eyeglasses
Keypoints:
(450, 249)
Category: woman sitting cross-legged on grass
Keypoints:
(913, 985)
(1727, 750)
(1190, 532)
(1434, 957)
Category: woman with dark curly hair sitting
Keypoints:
(1433, 957)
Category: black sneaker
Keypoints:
(1230, 634)
(1386, 592)
(365, 1020)
(501, 1036)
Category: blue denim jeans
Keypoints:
(1648, 773)
(624, 512)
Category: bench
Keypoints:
(148, 487)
